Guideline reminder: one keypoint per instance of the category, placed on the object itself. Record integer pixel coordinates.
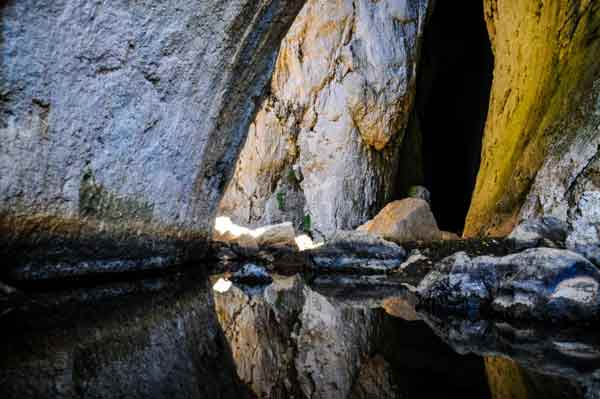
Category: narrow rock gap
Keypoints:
(442, 146)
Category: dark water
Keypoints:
(174, 336)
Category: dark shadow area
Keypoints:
(148, 338)
(453, 89)
(425, 366)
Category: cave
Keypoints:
(447, 124)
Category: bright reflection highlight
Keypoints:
(222, 285)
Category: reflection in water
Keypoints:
(157, 344)
(343, 337)
(508, 380)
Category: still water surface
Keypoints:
(175, 336)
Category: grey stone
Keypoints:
(545, 231)
(541, 283)
(584, 229)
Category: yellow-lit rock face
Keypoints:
(546, 59)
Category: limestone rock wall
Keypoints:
(543, 110)
(127, 114)
(323, 149)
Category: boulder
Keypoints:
(402, 221)
(282, 234)
(276, 235)
(540, 283)
(358, 251)
(544, 231)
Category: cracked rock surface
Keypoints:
(323, 147)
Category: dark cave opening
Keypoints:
(446, 127)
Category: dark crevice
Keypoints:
(442, 146)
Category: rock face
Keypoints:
(544, 53)
(541, 283)
(323, 148)
(584, 234)
(122, 122)
(406, 220)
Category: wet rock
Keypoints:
(7, 289)
(540, 283)
(358, 251)
(402, 221)
(540, 232)
(324, 146)
(584, 227)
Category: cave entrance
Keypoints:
(453, 90)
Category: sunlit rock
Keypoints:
(222, 285)
(268, 236)
(406, 220)
(323, 149)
